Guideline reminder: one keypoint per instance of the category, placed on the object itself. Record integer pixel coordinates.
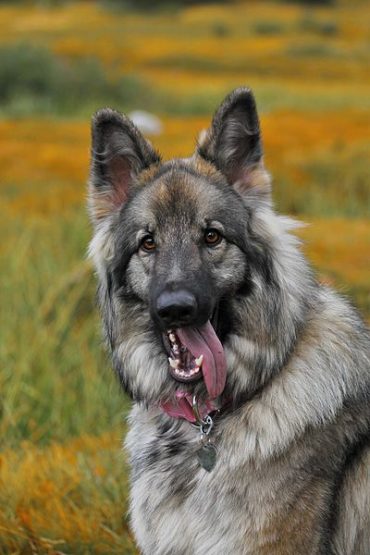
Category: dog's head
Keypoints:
(185, 256)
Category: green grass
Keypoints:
(55, 380)
(34, 80)
(332, 188)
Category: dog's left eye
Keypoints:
(148, 243)
(212, 237)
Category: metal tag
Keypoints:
(206, 456)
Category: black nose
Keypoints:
(176, 308)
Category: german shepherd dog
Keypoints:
(249, 432)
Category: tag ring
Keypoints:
(206, 425)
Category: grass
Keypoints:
(65, 498)
(63, 478)
(51, 356)
(195, 55)
(35, 80)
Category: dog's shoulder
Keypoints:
(326, 377)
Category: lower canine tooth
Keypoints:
(199, 360)
(173, 363)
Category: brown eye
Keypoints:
(148, 243)
(212, 237)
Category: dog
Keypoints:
(249, 432)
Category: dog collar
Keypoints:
(190, 408)
(198, 413)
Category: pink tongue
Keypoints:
(204, 341)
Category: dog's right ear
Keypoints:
(119, 153)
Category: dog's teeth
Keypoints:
(176, 349)
(174, 363)
(172, 337)
(198, 361)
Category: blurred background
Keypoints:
(63, 481)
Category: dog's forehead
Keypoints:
(184, 192)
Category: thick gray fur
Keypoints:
(292, 475)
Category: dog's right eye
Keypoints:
(148, 244)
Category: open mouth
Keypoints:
(184, 367)
(195, 353)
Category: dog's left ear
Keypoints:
(233, 143)
(119, 152)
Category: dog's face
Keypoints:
(180, 250)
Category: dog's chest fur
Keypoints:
(239, 507)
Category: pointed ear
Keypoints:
(119, 153)
(233, 143)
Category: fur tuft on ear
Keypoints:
(119, 153)
(233, 143)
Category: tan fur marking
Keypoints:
(205, 168)
(294, 531)
(147, 175)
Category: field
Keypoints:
(63, 479)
